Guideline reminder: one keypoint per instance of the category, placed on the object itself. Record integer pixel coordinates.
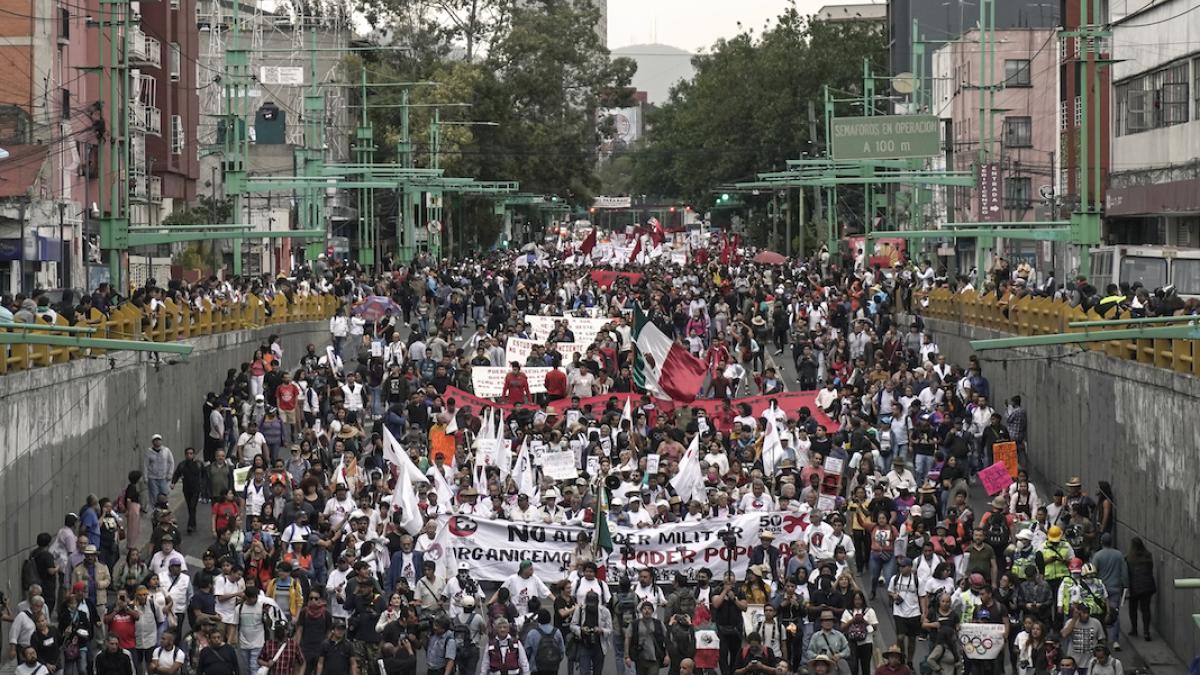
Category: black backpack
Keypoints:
(464, 646)
(548, 654)
(29, 573)
(996, 532)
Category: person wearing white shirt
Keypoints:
(416, 351)
(228, 588)
(160, 562)
(338, 509)
(353, 391)
(757, 500)
(900, 477)
(826, 397)
(647, 591)
(818, 536)
(250, 443)
(524, 586)
(522, 512)
(638, 516)
(178, 585)
(776, 413)
(747, 420)
(584, 581)
(335, 587)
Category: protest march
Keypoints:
(684, 460)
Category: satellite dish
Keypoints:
(904, 83)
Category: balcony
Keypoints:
(154, 184)
(137, 117)
(153, 117)
(139, 191)
(144, 50)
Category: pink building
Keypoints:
(1023, 136)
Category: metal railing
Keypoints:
(170, 323)
(1046, 316)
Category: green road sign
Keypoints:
(885, 137)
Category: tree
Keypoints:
(745, 110)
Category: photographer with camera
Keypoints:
(592, 625)
(727, 607)
(459, 588)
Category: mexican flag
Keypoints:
(662, 367)
(603, 537)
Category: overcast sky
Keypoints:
(694, 24)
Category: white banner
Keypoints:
(519, 349)
(560, 465)
(584, 327)
(981, 641)
(488, 381)
(494, 549)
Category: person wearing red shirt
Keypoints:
(516, 386)
(287, 395)
(122, 622)
(556, 382)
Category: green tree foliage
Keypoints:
(746, 109)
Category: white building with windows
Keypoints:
(1153, 196)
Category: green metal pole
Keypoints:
(831, 225)
(408, 247)
(868, 102)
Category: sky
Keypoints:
(693, 24)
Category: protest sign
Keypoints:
(995, 478)
(560, 465)
(1006, 452)
(981, 641)
(494, 549)
(240, 478)
(651, 464)
(488, 381)
(584, 327)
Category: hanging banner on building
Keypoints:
(981, 641)
(612, 202)
(991, 191)
(488, 381)
(494, 549)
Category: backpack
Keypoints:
(465, 647)
(29, 573)
(996, 532)
(858, 630)
(548, 655)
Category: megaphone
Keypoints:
(612, 482)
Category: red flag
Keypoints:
(657, 234)
(637, 249)
(589, 243)
(726, 250)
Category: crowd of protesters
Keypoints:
(305, 566)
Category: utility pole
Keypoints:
(819, 208)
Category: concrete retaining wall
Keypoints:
(1102, 418)
(77, 428)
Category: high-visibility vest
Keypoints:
(1054, 555)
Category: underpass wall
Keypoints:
(1101, 418)
(76, 428)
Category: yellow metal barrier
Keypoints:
(1043, 316)
(172, 322)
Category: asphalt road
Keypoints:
(194, 545)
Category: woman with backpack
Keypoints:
(858, 624)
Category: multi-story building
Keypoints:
(55, 115)
(1153, 195)
(940, 21)
(281, 63)
(1081, 128)
(1020, 128)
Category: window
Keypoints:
(1078, 111)
(1160, 98)
(1016, 73)
(173, 61)
(1018, 192)
(1152, 272)
(64, 24)
(177, 136)
(1018, 132)
(66, 104)
(1185, 274)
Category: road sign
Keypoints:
(885, 137)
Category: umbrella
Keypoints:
(769, 258)
(375, 307)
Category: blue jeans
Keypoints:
(337, 350)
(249, 658)
(619, 653)
(921, 466)
(880, 562)
(158, 486)
(591, 660)
(1114, 631)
